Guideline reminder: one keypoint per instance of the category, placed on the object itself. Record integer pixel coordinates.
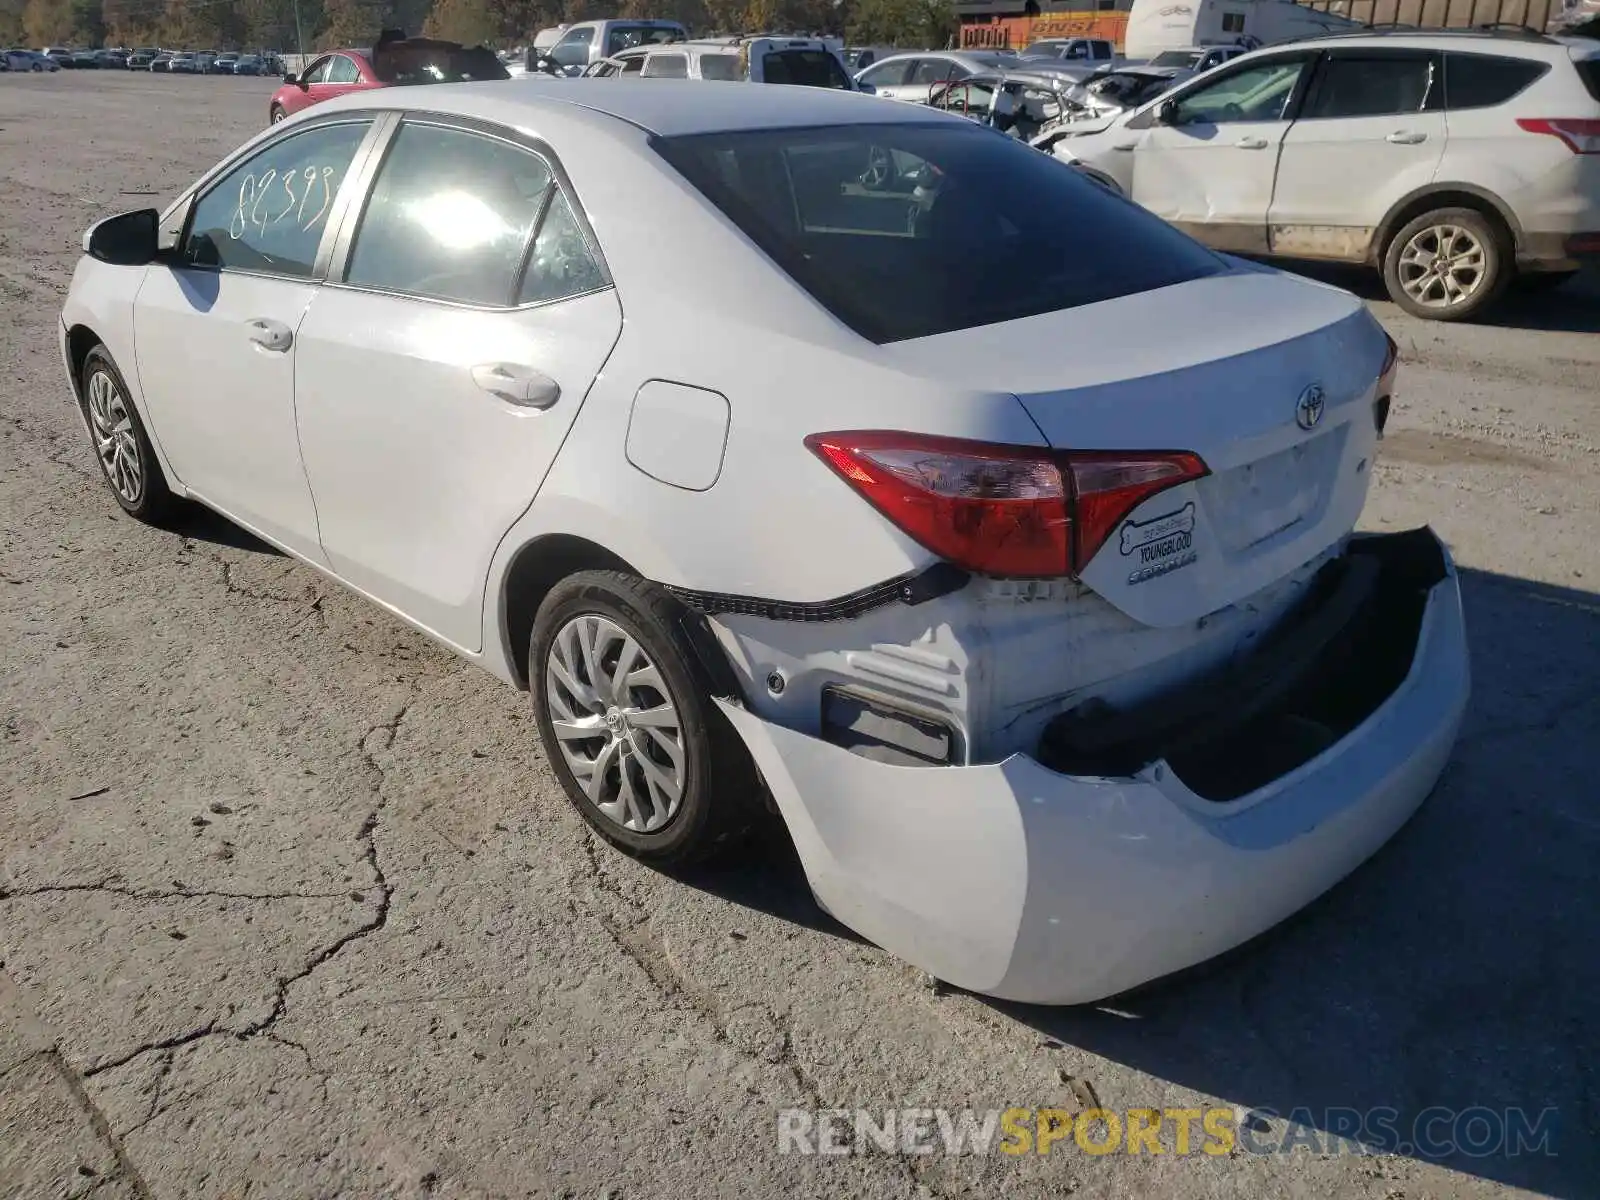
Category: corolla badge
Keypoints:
(1308, 409)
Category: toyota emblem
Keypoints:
(1308, 409)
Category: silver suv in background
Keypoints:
(1456, 163)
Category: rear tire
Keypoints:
(1448, 265)
(663, 776)
(122, 448)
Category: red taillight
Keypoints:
(1581, 134)
(1001, 510)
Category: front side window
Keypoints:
(666, 66)
(1260, 92)
(804, 68)
(719, 66)
(449, 216)
(1389, 85)
(317, 72)
(908, 230)
(343, 70)
(269, 212)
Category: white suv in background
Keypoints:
(808, 62)
(1453, 162)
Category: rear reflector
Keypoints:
(1001, 510)
(1391, 368)
(1583, 243)
(1581, 134)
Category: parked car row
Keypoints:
(175, 62)
(27, 60)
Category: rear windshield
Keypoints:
(420, 61)
(809, 68)
(719, 66)
(1589, 72)
(907, 230)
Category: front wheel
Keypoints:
(121, 445)
(1447, 265)
(277, 114)
(624, 707)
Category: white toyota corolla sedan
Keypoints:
(810, 455)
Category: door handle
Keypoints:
(1406, 137)
(1251, 143)
(519, 385)
(270, 334)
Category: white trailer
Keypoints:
(1157, 25)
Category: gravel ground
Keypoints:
(292, 905)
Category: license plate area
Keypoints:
(1263, 499)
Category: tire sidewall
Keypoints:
(1497, 252)
(596, 593)
(153, 494)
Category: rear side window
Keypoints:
(1484, 80)
(343, 70)
(719, 66)
(890, 74)
(807, 68)
(666, 66)
(1589, 72)
(907, 230)
(1374, 87)
(938, 70)
(449, 216)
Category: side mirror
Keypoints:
(290, 77)
(1167, 112)
(126, 240)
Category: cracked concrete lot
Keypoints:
(291, 906)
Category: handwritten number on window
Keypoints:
(316, 187)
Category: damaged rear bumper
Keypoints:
(1034, 885)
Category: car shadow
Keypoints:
(201, 524)
(1574, 307)
(1452, 974)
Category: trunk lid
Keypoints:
(1227, 367)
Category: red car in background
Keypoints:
(394, 61)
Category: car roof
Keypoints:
(667, 107)
(1510, 43)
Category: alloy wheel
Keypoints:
(615, 723)
(116, 445)
(1443, 266)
